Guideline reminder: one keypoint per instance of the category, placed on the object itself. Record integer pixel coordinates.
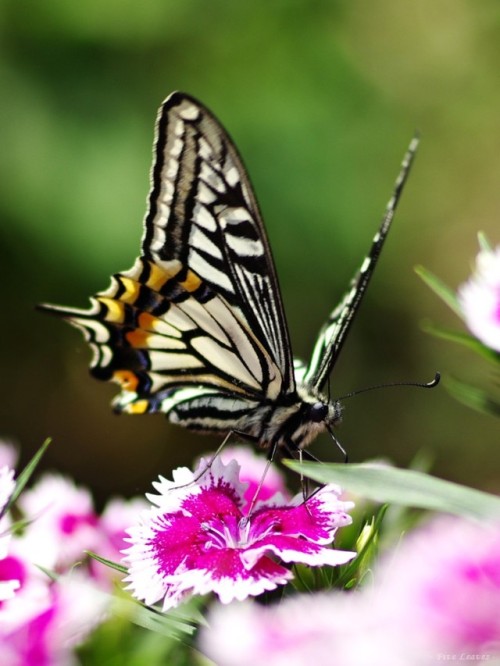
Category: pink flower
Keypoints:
(44, 622)
(336, 628)
(480, 299)
(443, 588)
(198, 540)
(118, 514)
(63, 522)
(435, 598)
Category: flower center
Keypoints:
(228, 533)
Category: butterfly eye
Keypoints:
(318, 412)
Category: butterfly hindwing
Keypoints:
(158, 329)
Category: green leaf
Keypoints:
(484, 243)
(109, 563)
(358, 567)
(473, 397)
(462, 339)
(25, 475)
(440, 289)
(172, 624)
(390, 485)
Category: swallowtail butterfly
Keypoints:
(196, 329)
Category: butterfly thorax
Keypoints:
(291, 423)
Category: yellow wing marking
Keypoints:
(116, 309)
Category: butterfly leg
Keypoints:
(217, 453)
(299, 454)
(210, 461)
(270, 459)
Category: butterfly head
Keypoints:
(318, 412)
(314, 414)
(324, 413)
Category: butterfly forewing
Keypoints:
(202, 212)
(334, 332)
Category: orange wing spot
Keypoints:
(127, 379)
(131, 290)
(138, 407)
(147, 321)
(138, 338)
(192, 282)
(157, 277)
(116, 309)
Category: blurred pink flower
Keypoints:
(8, 454)
(324, 629)
(479, 299)
(197, 539)
(442, 588)
(9, 572)
(45, 620)
(435, 598)
(63, 523)
(7, 485)
(117, 516)
(41, 620)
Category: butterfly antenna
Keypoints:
(427, 385)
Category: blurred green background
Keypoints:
(322, 99)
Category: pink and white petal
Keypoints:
(223, 476)
(265, 576)
(290, 549)
(187, 484)
(311, 521)
(166, 546)
(144, 581)
(8, 589)
(231, 580)
(170, 493)
(211, 503)
(11, 571)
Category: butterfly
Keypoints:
(196, 328)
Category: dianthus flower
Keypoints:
(198, 539)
